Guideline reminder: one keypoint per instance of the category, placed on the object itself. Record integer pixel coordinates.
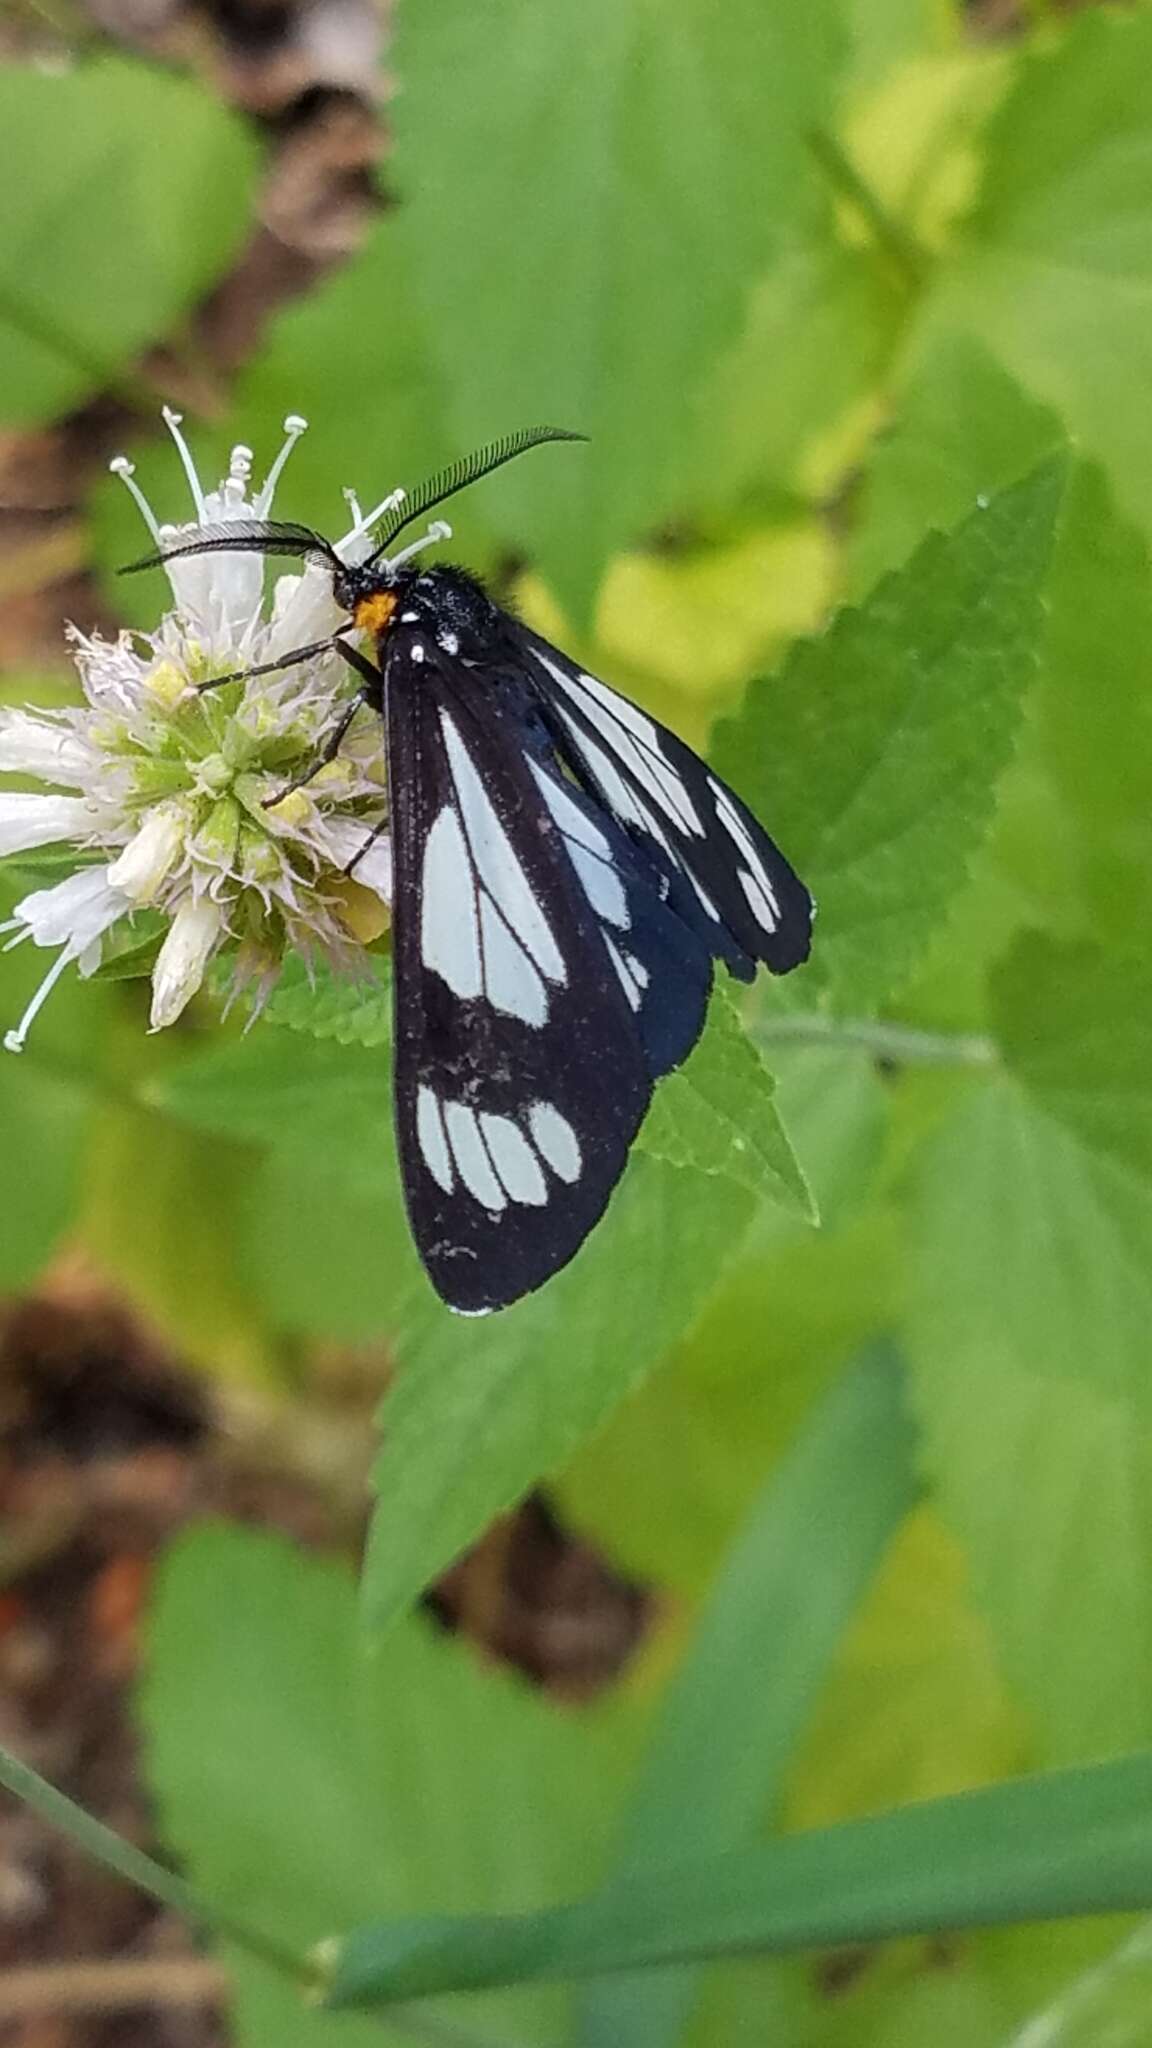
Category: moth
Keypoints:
(566, 874)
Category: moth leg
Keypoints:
(369, 693)
(270, 668)
(328, 751)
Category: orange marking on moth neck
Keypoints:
(372, 614)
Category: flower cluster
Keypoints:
(204, 806)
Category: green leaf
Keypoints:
(164, 1217)
(961, 429)
(1107, 2007)
(663, 1486)
(43, 1126)
(309, 1785)
(481, 1410)
(875, 755)
(731, 1720)
(649, 163)
(1095, 711)
(1069, 1842)
(280, 1087)
(1055, 269)
(718, 1115)
(329, 1005)
(1029, 1318)
(134, 190)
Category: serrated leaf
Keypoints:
(328, 1005)
(1055, 267)
(647, 167)
(481, 1410)
(874, 756)
(961, 429)
(662, 1486)
(418, 1778)
(135, 231)
(717, 1114)
(1029, 1319)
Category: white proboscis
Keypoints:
(202, 807)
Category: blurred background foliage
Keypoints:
(852, 298)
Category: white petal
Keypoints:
(150, 856)
(28, 821)
(74, 912)
(303, 610)
(72, 917)
(345, 841)
(34, 746)
(183, 957)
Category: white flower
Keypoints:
(204, 806)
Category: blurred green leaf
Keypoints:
(1054, 270)
(1107, 2007)
(277, 1087)
(649, 164)
(874, 756)
(134, 188)
(962, 429)
(316, 1786)
(717, 1114)
(1069, 1842)
(352, 358)
(1029, 1318)
(164, 1217)
(1095, 711)
(730, 1723)
(44, 1122)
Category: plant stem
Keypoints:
(131, 1863)
(889, 232)
(901, 1043)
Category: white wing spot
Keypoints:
(763, 907)
(633, 974)
(636, 739)
(472, 1160)
(449, 642)
(589, 851)
(556, 1139)
(417, 650)
(431, 1139)
(449, 943)
(514, 1160)
(756, 882)
(512, 982)
(496, 863)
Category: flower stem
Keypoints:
(131, 1863)
(899, 245)
(903, 1044)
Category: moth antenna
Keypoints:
(468, 470)
(244, 536)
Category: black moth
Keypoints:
(566, 872)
